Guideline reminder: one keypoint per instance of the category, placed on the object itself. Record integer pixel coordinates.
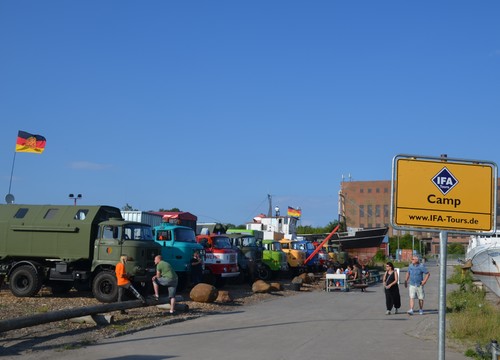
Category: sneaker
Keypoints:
(396, 311)
(388, 312)
(421, 312)
(410, 312)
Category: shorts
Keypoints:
(170, 284)
(417, 292)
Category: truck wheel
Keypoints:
(104, 287)
(25, 281)
(264, 273)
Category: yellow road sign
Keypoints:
(444, 194)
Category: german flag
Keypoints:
(294, 212)
(27, 142)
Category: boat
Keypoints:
(483, 256)
(360, 238)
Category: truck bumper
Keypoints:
(230, 275)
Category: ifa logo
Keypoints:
(444, 181)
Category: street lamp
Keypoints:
(277, 210)
(75, 198)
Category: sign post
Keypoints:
(445, 195)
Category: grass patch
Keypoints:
(472, 319)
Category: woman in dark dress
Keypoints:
(392, 297)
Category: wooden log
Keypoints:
(51, 316)
(97, 319)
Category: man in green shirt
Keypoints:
(165, 276)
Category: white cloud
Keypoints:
(86, 165)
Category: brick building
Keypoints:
(367, 204)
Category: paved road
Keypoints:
(310, 325)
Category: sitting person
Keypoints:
(357, 277)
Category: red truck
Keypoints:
(221, 260)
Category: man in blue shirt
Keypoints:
(417, 275)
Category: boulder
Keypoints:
(276, 286)
(224, 297)
(260, 286)
(204, 293)
(307, 278)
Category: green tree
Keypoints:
(456, 249)
(405, 242)
(169, 210)
(128, 207)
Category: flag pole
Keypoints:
(12, 171)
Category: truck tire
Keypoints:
(264, 273)
(104, 287)
(25, 281)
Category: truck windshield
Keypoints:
(298, 246)
(222, 242)
(185, 235)
(137, 232)
(274, 246)
(249, 241)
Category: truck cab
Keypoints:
(249, 256)
(221, 260)
(295, 257)
(273, 257)
(178, 244)
(308, 247)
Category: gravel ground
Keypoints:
(66, 334)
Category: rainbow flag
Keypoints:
(294, 212)
(27, 142)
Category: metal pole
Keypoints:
(397, 254)
(443, 239)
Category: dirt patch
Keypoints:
(66, 334)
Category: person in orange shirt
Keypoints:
(123, 281)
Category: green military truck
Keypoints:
(63, 246)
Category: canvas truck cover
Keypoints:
(51, 231)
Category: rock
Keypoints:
(204, 293)
(307, 278)
(260, 286)
(224, 297)
(276, 286)
(298, 280)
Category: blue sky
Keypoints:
(209, 106)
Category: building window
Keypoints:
(369, 190)
(377, 210)
(377, 190)
(386, 190)
(386, 210)
(361, 210)
(361, 190)
(369, 211)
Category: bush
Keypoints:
(472, 318)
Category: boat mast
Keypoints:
(270, 211)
